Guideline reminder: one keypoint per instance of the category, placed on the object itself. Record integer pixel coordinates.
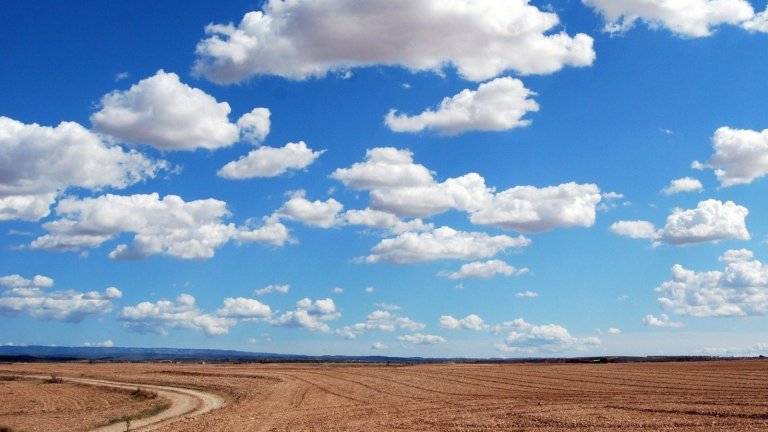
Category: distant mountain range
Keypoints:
(36, 353)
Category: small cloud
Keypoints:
(666, 131)
(122, 76)
(406, 86)
(527, 294)
(338, 290)
(369, 290)
(388, 306)
(282, 289)
(614, 331)
(378, 346)
(622, 298)
(661, 321)
(103, 344)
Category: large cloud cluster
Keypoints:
(21, 296)
(301, 39)
(169, 226)
(379, 320)
(741, 289)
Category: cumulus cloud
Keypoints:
(147, 317)
(321, 214)
(309, 315)
(685, 184)
(741, 289)
(378, 346)
(269, 289)
(383, 220)
(442, 243)
(270, 161)
(302, 39)
(614, 330)
(38, 163)
(496, 105)
(741, 156)
(688, 18)
(529, 209)
(711, 221)
(244, 308)
(169, 226)
(484, 269)
(162, 112)
(21, 296)
(422, 339)
(530, 338)
(661, 321)
(379, 320)
(469, 322)
(758, 23)
(401, 187)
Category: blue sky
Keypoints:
(465, 178)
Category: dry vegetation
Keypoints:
(701, 396)
(28, 405)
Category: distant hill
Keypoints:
(36, 353)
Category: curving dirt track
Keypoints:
(694, 396)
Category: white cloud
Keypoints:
(338, 290)
(422, 339)
(614, 330)
(685, 184)
(688, 18)
(104, 344)
(379, 219)
(758, 23)
(384, 167)
(309, 315)
(244, 308)
(171, 226)
(162, 112)
(527, 294)
(302, 39)
(379, 320)
(530, 338)
(254, 126)
(388, 306)
(529, 209)
(269, 289)
(37, 163)
(270, 161)
(661, 321)
(469, 322)
(736, 255)
(741, 289)
(29, 297)
(398, 186)
(322, 214)
(378, 346)
(635, 229)
(496, 105)
(741, 156)
(369, 290)
(484, 269)
(147, 317)
(17, 281)
(442, 243)
(711, 221)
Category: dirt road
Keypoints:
(184, 403)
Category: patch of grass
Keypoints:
(149, 412)
(142, 395)
(55, 379)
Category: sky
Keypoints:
(487, 178)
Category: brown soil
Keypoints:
(695, 396)
(28, 405)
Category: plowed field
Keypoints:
(692, 396)
(40, 405)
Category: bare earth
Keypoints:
(695, 396)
